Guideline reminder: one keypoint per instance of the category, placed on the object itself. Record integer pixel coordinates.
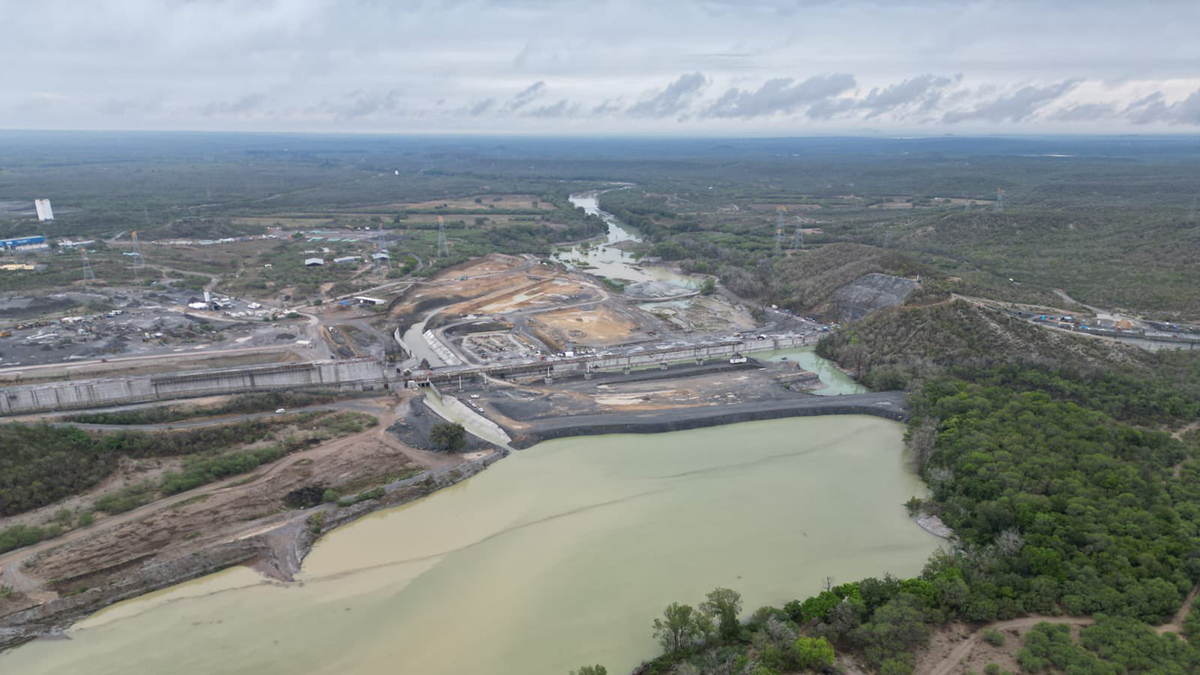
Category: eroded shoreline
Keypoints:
(279, 552)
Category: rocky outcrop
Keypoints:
(870, 293)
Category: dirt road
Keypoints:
(951, 663)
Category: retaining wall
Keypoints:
(355, 375)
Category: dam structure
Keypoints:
(352, 375)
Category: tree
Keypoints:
(448, 437)
(708, 287)
(725, 605)
(812, 653)
(678, 628)
(591, 670)
(921, 441)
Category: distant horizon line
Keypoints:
(898, 136)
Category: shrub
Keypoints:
(993, 637)
(813, 653)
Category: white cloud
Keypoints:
(688, 66)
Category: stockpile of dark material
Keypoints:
(413, 429)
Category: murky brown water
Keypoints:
(558, 556)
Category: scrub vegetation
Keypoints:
(1062, 464)
(241, 404)
(44, 464)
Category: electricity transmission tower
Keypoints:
(137, 258)
(999, 200)
(379, 244)
(780, 210)
(442, 250)
(88, 274)
(798, 237)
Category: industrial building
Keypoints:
(19, 243)
(44, 212)
(314, 262)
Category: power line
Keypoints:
(442, 249)
(780, 210)
(798, 237)
(379, 256)
(88, 274)
(137, 258)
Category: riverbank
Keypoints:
(619, 524)
(277, 550)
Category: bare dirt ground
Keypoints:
(486, 203)
(488, 275)
(680, 387)
(703, 313)
(536, 294)
(599, 327)
(213, 514)
(959, 649)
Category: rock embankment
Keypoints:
(891, 405)
(871, 293)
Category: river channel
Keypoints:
(608, 260)
(558, 556)
(602, 259)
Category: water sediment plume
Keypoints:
(560, 555)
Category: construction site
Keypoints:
(517, 349)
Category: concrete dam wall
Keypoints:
(350, 374)
(356, 375)
(633, 358)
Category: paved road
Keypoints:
(211, 421)
(74, 365)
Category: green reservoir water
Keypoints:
(834, 381)
(558, 556)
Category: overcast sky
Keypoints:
(728, 67)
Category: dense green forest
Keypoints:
(1051, 458)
